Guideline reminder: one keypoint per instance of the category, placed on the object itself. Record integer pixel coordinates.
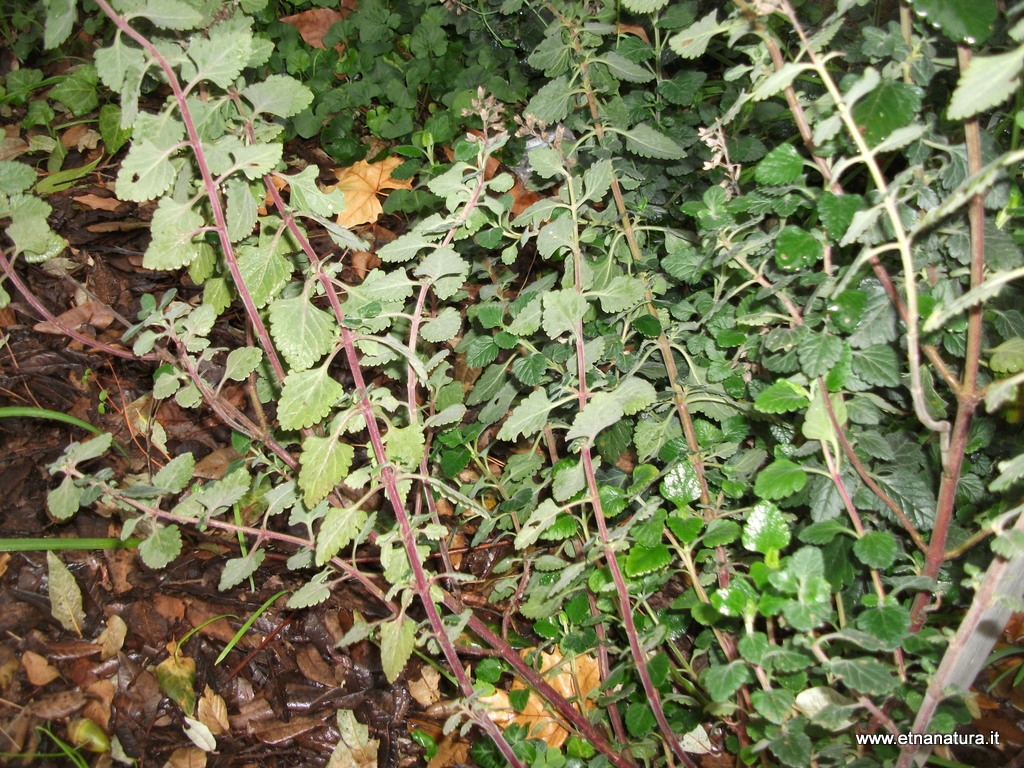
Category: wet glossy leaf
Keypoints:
(782, 397)
(891, 105)
(779, 479)
(643, 560)
(681, 485)
(962, 21)
(766, 529)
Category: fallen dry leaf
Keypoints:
(38, 670)
(95, 202)
(313, 25)
(574, 678)
(213, 712)
(186, 757)
(361, 184)
(93, 313)
(80, 137)
(112, 637)
(425, 690)
(101, 698)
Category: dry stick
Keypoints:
(27, 294)
(389, 481)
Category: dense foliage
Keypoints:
(708, 309)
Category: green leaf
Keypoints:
(238, 569)
(241, 362)
(563, 309)
(307, 397)
(278, 95)
(693, 41)
(264, 272)
(176, 474)
(406, 445)
(889, 624)
(962, 21)
(624, 69)
(444, 327)
(313, 592)
(551, 104)
(793, 748)
(397, 640)
(65, 595)
(643, 560)
(818, 352)
(865, 675)
(16, 177)
(306, 195)
(445, 269)
(338, 528)
(162, 546)
(765, 529)
(796, 249)
(647, 141)
(1008, 357)
(836, 212)
(987, 82)
(891, 105)
(644, 6)
(640, 719)
(603, 410)
(774, 704)
(877, 365)
(876, 549)
(302, 332)
(783, 165)
(555, 235)
(779, 479)
(528, 418)
(64, 500)
(169, 14)
(723, 680)
(61, 16)
(146, 172)
(77, 453)
(113, 135)
(325, 462)
(220, 57)
(77, 91)
(681, 484)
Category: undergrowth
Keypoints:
(730, 357)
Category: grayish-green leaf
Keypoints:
(64, 500)
(338, 528)
(65, 595)
(307, 397)
(693, 41)
(161, 547)
(563, 309)
(325, 462)
(648, 141)
(278, 95)
(302, 332)
(397, 640)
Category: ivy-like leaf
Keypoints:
(301, 331)
(307, 397)
(397, 640)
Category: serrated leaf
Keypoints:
(647, 141)
(445, 269)
(865, 675)
(693, 41)
(877, 365)
(397, 640)
(238, 569)
(721, 681)
(527, 418)
(603, 410)
(169, 14)
(624, 69)
(681, 484)
(783, 165)
(765, 529)
(444, 327)
(325, 462)
(161, 547)
(16, 177)
(555, 235)
(307, 397)
(241, 362)
(643, 560)
(278, 95)
(303, 332)
(76, 453)
(563, 309)
(220, 57)
(889, 624)
(146, 172)
(891, 105)
(338, 528)
(818, 352)
(61, 16)
(306, 194)
(539, 521)
(77, 91)
(644, 6)
(175, 474)
(65, 595)
(64, 500)
(313, 592)
(986, 83)
(876, 549)
(774, 704)
(962, 21)
(406, 445)
(264, 272)
(782, 397)
(780, 479)
(836, 212)
(551, 104)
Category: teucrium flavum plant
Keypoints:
(710, 361)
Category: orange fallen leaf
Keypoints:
(93, 313)
(361, 184)
(313, 24)
(38, 670)
(575, 679)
